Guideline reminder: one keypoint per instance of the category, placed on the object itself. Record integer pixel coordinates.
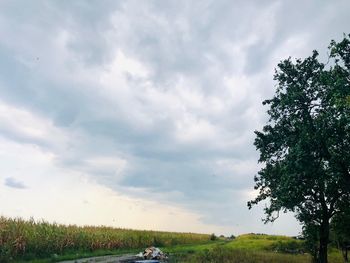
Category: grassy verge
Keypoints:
(266, 243)
(72, 255)
(254, 249)
(226, 254)
(176, 252)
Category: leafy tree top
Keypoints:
(305, 145)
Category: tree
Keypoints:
(305, 145)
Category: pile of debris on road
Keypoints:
(153, 253)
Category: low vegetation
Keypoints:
(28, 240)
(256, 248)
(226, 254)
(262, 242)
(22, 239)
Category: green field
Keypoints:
(40, 242)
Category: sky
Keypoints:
(141, 114)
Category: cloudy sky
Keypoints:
(141, 114)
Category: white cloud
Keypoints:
(27, 127)
(191, 129)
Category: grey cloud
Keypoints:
(303, 19)
(13, 183)
(51, 65)
(23, 138)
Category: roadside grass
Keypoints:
(193, 248)
(177, 250)
(226, 254)
(253, 248)
(335, 256)
(181, 253)
(266, 242)
(232, 255)
(73, 255)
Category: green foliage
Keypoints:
(340, 227)
(225, 254)
(305, 146)
(31, 239)
(192, 248)
(260, 242)
(288, 247)
(230, 255)
(253, 248)
(311, 235)
(213, 237)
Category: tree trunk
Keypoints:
(345, 253)
(324, 239)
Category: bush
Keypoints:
(213, 237)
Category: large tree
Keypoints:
(305, 145)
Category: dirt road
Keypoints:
(105, 259)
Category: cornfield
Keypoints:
(29, 238)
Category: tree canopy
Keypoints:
(305, 145)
